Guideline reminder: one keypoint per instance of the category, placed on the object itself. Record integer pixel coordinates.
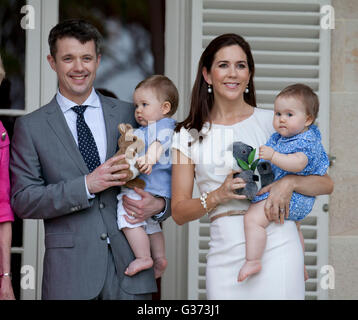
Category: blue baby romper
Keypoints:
(308, 142)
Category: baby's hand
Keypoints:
(144, 167)
(266, 153)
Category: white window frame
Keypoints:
(178, 69)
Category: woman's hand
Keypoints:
(226, 191)
(277, 205)
(6, 291)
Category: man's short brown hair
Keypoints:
(165, 90)
(79, 29)
(306, 95)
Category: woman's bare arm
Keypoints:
(281, 191)
(6, 291)
(312, 185)
(184, 207)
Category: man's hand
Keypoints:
(266, 153)
(142, 209)
(106, 175)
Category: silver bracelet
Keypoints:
(203, 198)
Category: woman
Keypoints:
(223, 110)
(6, 214)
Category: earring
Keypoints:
(210, 90)
(247, 90)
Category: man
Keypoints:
(74, 192)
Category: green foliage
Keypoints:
(254, 164)
(243, 165)
(251, 165)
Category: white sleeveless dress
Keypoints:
(282, 274)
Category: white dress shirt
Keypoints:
(94, 119)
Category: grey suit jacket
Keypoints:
(47, 173)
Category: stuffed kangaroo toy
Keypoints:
(131, 146)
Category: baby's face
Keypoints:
(290, 116)
(148, 108)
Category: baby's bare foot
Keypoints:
(249, 268)
(160, 265)
(139, 264)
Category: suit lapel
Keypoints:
(58, 123)
(112, 117)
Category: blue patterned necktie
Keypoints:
(86, 142)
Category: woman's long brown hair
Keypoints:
(202, 101)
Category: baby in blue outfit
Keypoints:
(156, 100)
(295, 148)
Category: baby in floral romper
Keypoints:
(295, 148)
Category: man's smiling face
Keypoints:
(76, 65)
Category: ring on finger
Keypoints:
(282, 210)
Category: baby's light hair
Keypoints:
(165, 90)
(306, 95)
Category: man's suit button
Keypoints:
(104, 236)
(101, 205)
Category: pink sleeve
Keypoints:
(6, 213)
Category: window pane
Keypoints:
(130, 33)
(12, 50)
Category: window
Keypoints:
(133, 46)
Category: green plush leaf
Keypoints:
(254, 165)
(251, 156)
(243, 164)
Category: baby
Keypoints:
(156, 100)
(295, 148)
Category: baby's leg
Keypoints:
(255, 222)
(298, 225)
(139, 242)
(158, 253)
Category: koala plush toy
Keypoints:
(130, 145)
(242, 151)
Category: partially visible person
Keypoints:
(295, 148)
(156, 100)
(6, 214)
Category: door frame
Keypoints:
(39, 89)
